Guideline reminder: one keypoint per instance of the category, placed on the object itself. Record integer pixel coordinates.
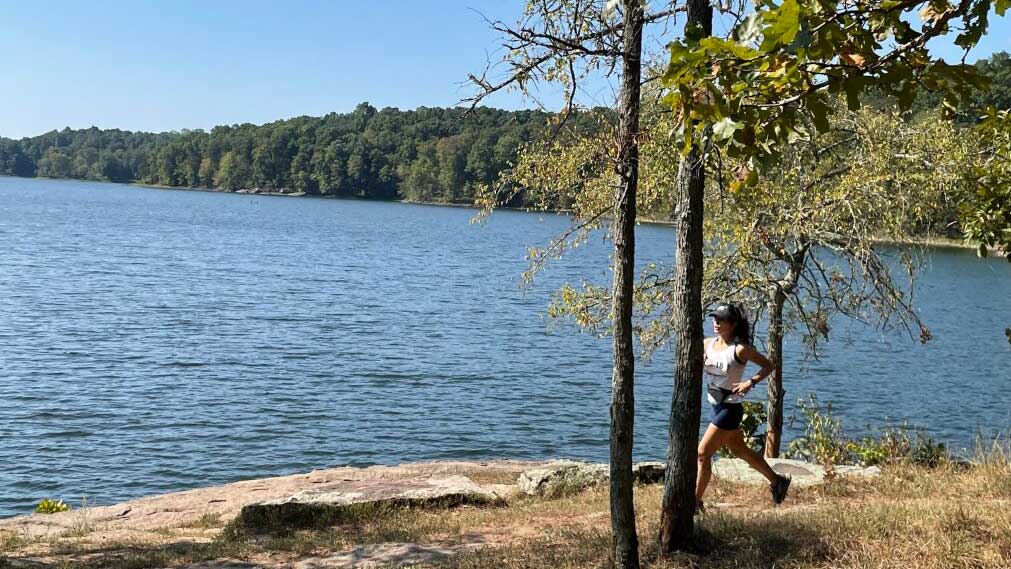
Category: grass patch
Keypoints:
(206, 521)
(10, 541)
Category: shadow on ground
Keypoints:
(723, 541)
(727, 540)
(183, 554)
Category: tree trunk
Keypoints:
(625, 539)
(677, 522)
(774, 434)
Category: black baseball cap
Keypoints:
(726, 311)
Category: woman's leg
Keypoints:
(712, 440)
(741, 450)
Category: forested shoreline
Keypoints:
(437, 155)
(430, 154)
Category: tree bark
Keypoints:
(677, 522)
(625, 539)
(774, 433)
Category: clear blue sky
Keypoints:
(169, 65)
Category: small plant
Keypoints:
(50, 506)
(928, 453)
(82, 524)
(868, 451)
(894, 443)
(208, 520)
(823, 441)
(990, 451)
(898, 444)
(755, 417)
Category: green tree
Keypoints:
(452, 159)
(565, 42)
(742, 97)
(802, 243)
(234, 172)
(55, 164)
(206, 172)
(986, 199)
(365, 153)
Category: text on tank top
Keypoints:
(723, 370)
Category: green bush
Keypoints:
(868, 451)
(928, 453)
(898, 444)
(824, 442)
(49, 506)
(755, 418)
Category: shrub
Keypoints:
(754, 418)
(824, 442)
(928, 453)
(868, 451)
(49, 506)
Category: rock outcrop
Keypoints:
(803, 473)
(348, 500)
(144, 517)
(564, 477)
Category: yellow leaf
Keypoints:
(853, 59)
(933, 11)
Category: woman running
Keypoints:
(726, 356)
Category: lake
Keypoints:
(157, 340)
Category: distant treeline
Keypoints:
(429, 154)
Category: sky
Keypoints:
(175, 64)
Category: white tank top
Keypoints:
(723, 370)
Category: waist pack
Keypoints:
(718, 393)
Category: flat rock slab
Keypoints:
(386, 555)
(803, 473)
(564, 476)
(180, 509)
(347, 501)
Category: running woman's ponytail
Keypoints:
(742, 332)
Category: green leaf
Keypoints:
(739, 50)
(725, 128)
(907, 96)
(854, 86)
(785, 23)
(682, 61)
(750, 28)
(819, 113)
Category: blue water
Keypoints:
(156, 340)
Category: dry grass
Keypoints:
(950, 517)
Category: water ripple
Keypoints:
(159, 340)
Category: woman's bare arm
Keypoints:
(750, 354)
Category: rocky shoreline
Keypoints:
(198, 523)
(296, 498)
